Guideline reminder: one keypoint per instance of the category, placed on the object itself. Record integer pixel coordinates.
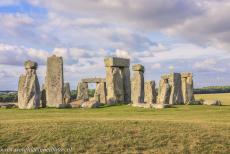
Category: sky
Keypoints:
(163, 35)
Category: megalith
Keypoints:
(67, 93)
(187, 87)
(176, 96)
(43, 96)
(117, 80)
(100, 92)
(54, 81)
(82, 91)
(28, 87)
(164, 91)
(138, 84)
(170, 84)
(150, 92)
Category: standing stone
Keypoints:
(164, 91)
(100, 92)
(54, 81)
(117, 80)
(28, 87)
(67, 93)
(176, 92)
(150, 92)
(138, 84)
(82, 91)
(43, 96)
(127, 84)
(187, 87)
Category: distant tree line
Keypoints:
(12, 96)
(212, 90)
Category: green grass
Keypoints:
(120, 129)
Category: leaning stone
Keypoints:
(212, 102)
(54, 81)
(28, 88)
(63, 106)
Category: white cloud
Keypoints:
(156, 66)
(208, 64)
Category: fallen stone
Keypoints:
(76, 104)
(90, 104)
(212, 102)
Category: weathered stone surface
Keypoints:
(138, 67)
(115, 86)
(7, 105)
(118, 80)
(150, 92)
(100, 92)
(54, 81)
(187, 87)
(127, 84)
(164, 91)
(90, 104)
(176, 96)
(63, 106)
(212, 102)
(43, 96)
(138, 87)
(116, 62)
(82, 91)
(76, 104)
(28, 88)
(67, 93)
(172, 82)
(93, 80)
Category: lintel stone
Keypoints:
(116, 62)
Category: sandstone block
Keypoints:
(116, 62)
(28, 88)
(100, 92)
(82, 91)
(67, 93)
(138, 87)
(150, 92)
(138, 67)
(212, 102)
(54, 81)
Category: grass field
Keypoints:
(121, 129)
